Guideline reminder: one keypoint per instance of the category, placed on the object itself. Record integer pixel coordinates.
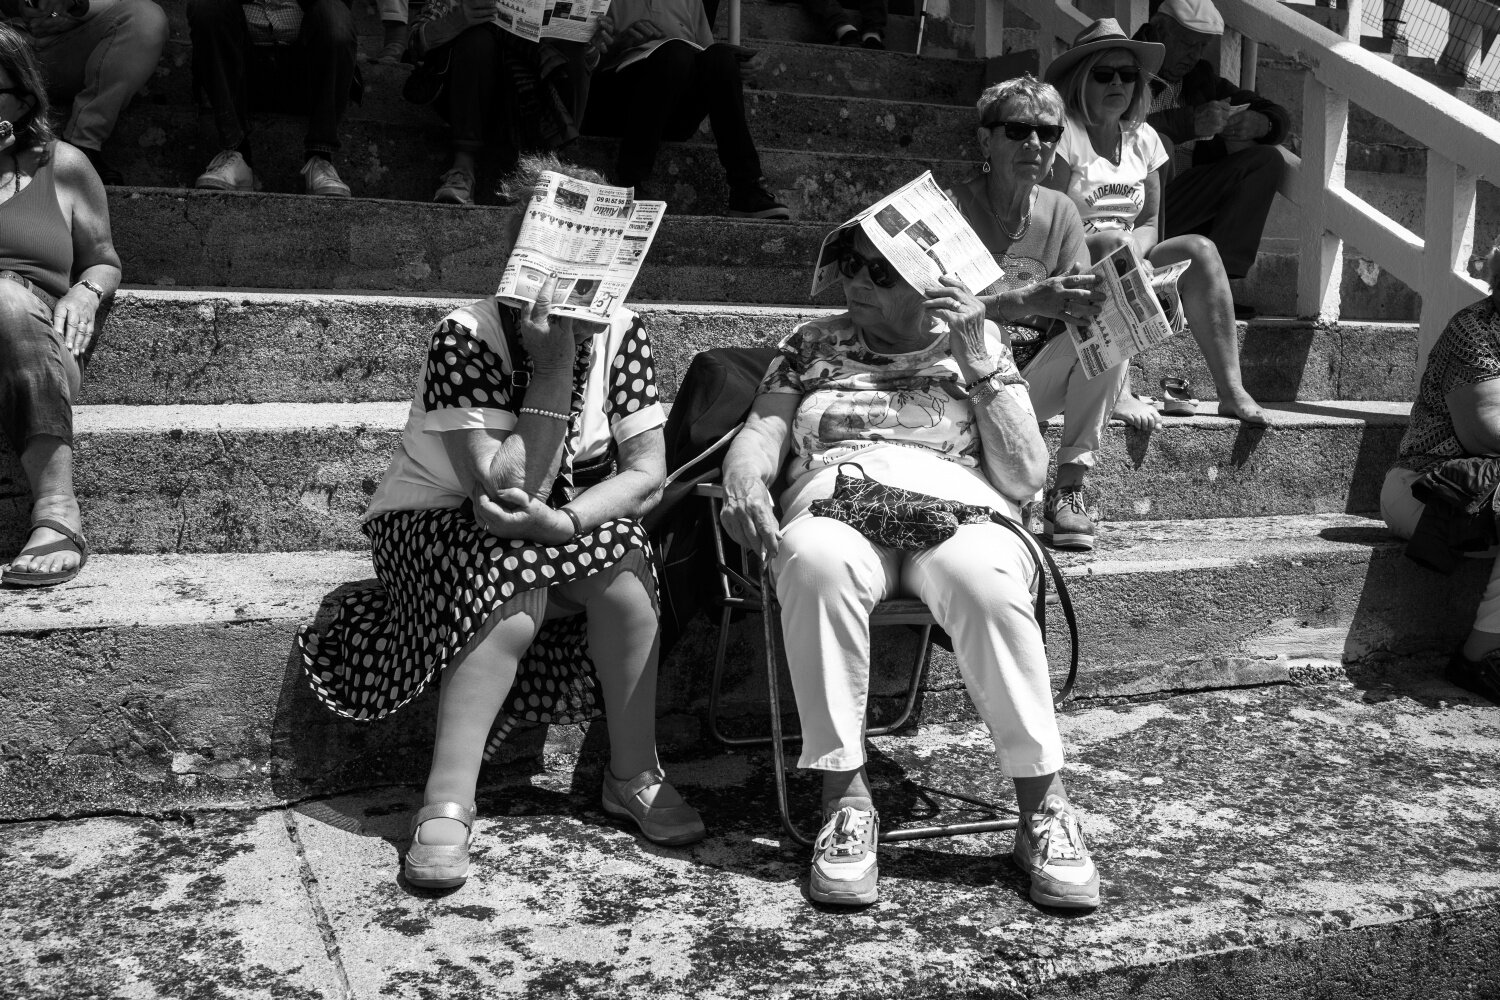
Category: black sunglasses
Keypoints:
(1021, 131)
(1106, 74)
(851, 262)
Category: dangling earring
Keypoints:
(984, 167)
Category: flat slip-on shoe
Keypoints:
(26, 578)
(670, 826)
(1177, 398)
(439, 866)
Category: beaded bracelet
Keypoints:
(545, 413)
(573, 516)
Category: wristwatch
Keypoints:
(93, 287)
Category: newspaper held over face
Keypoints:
(566, 20)
(921, 233)
(591, 237)
(1140, 310)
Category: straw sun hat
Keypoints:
(1105, 33)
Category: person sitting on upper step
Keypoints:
(505, 534)
(57, 266)
(499, 91)
(1110, 162)
(1457, 415)
(1223, 165)
(318, 78)
(95, 55)
(833, 20)
(1036, 237)
(663, 73)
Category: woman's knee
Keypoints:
(821, 556)
(143, 25)
(1103, 244)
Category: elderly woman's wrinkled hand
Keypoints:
(749, 516)
(1071, 297)
(962, 311)
(548, 340)
(514, 513)
(74, 319)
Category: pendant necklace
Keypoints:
(1025, 220)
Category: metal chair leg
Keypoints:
(778, 747)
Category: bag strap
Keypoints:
(1043, 557)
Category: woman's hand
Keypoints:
(73, 319)
(472, 12)
(514, 513)
(548, 340)
(958, 307)
(1072, 297)
(603, 40)
(749, 516)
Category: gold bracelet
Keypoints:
(545, 413)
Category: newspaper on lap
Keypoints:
(1140, 311)
(922, 234)
(591, 237)
(566, 20)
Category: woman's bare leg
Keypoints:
(474, 689)
(48, 464)
(624, 637)
(1209, 308)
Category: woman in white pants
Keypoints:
(919, 390)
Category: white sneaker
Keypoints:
(227, 171)
(844, 867)
(322, 179)
(1050, 849)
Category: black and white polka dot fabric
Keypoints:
(444, 578)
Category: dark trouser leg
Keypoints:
(716, 83)
(1228, 202)
(473, 76)
(828, 15)
(872, 15)
(221, 53)
(331, 45)
(38, 375)
(638, 104)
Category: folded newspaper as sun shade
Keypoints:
(566, 20)
(591, 237)
(1140, 310)
(921, 233)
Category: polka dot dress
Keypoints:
(443, 578)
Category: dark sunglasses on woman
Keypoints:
(1106, 74)
(1021, 131)
(851, 262)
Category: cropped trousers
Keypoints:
(1058, 385)
(979, 585)
(39, 376)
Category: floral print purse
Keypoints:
(892, 516)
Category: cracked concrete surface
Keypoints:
(1328, 842)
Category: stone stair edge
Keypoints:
(123, 589)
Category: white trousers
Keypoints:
(978, 585)
(1402, 511)
(1058, 385)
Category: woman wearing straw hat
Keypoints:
(1109, 162)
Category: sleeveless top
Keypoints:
(35, 239)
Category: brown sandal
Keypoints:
(22, 578)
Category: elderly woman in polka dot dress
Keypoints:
(504, 571)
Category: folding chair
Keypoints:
(745, 586)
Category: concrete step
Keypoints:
(162, 682)
(825, 157)
(168, 346)
(1279, 839)
(283, 476)
(195, 239)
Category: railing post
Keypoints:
(1448, 243)
(1353, 27)
(1325, 131)
(989, 28)
(734, 22)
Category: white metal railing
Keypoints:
(1463, 145)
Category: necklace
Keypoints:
(1025, 219)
